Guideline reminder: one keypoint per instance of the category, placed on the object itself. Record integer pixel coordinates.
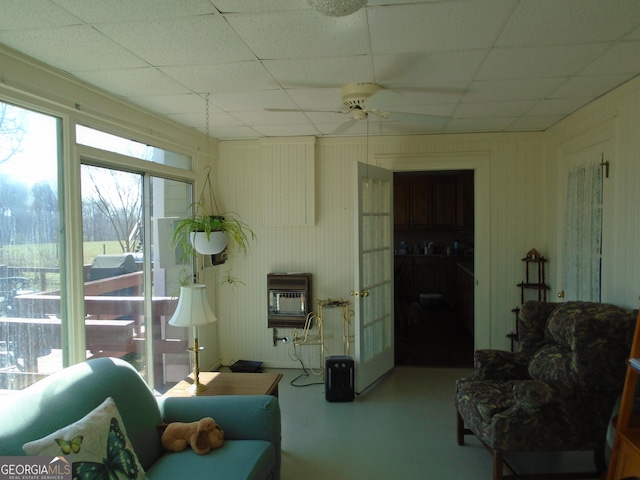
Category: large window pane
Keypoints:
(126, 314)
(30, 257)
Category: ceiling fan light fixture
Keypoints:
(337, 8)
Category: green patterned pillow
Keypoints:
(97, 446)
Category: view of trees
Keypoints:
(111, 205)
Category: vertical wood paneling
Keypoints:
(523, 187)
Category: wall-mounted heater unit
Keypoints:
(289, 299)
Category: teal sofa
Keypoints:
(251, 423)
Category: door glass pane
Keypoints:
(30, 256)
(126, 314)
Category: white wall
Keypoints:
(510, 168)
(614, 117)
(519, 193)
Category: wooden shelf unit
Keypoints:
(625, 455)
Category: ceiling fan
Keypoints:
(361, 99)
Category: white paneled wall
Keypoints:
(517, 188)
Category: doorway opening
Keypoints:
(433, 267)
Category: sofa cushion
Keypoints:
(236, 459)
(96, 443)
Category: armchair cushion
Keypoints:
(499, 365)
(557, 392)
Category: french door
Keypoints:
(373, 293)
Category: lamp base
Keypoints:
(196, 387)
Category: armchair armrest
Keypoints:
(499, 365)
(240, 416)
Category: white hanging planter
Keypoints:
(213, 245)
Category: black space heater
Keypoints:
(339, 378)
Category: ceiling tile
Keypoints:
(184, 41)
(538, 62)
(249, 101)
(317, 98)
(302, 34)
(323, 72)
(425, 68)
(558, 106)
(225, 78)
(286, 131)
(263, 118)
(170, 104)
(234, 133)
(534, 123)
(216, 119)
(588, 86)
(437, 26)
(134, 11)
(494, 124)
(495, 109)
(511, 90)
(569, 22)
(132, 81)
(21, 14)
(72, 49)
(234, 6)
(623, 57)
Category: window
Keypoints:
(130, 273)
(30, 253)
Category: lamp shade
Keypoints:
(193, 308)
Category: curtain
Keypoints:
(583, 237)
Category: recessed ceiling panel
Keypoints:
(302, 34)
(184, 41)
(437, 26)
(135, 10)
(72, 49)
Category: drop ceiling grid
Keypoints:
(489, 64)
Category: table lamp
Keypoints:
(193, 310)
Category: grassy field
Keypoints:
(46, 255)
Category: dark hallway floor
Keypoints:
(431, 336)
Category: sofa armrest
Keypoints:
(499, 365)
(241, 417)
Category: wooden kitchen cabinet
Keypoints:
(445, 201)
(412, 202)
(465, 202)
(431, 201)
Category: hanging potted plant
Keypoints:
(210, 234)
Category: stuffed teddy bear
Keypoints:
(203, 436)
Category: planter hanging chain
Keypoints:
(212, 197)
(207, 182)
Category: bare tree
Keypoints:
(117, 195)
(12, 131)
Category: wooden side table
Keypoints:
(223, 383)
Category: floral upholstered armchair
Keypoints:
(558, 391)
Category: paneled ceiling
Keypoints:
(476, 65)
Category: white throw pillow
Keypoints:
(97, 445)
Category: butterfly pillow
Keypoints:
(97, 445)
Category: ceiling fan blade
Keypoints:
(301, 110)
(382, 98)
(344, 127)
(416, 118)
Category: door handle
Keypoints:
(561, 294)
(361, 293)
